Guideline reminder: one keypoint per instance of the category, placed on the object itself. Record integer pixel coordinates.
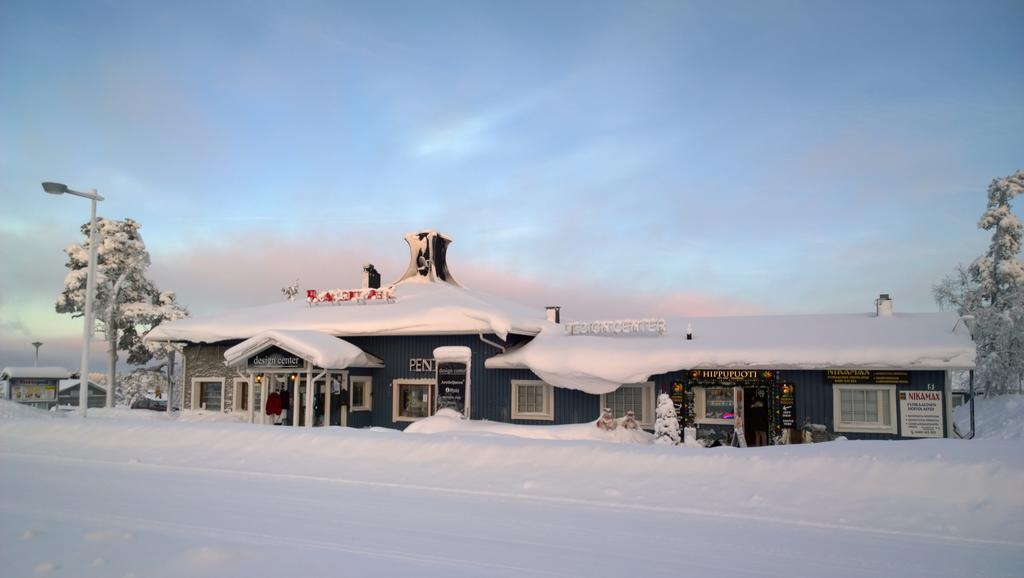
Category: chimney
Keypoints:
(554, 313)
(883, 305)
(371, 278)
(427, 258)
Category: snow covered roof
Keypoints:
(418, 309)
(66, 384)
(321, 349)
(35, 372)
(864, 341)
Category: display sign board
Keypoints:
(921, 414)
(787, 405)
(731, 377)
(451, 386)
(275, 358)
(857, 376)
(33, 393)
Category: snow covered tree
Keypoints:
(666, 424)
(991, 292)
(999, 271)
(121, 262)
(146, 316)
(138, 384)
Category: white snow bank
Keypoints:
(999, 417)
(936, 489)
(601, 364)
(202, 415)
(450, 421)
(321, 349)
(14, 410)
(418, 309)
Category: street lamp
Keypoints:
(90, 289)
(37, 345)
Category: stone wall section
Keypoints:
(207, 360)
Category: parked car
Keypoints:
(150, 404)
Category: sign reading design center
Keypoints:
(275, 358)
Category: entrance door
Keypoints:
(738, 424)
(755, 416)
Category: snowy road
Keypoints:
(93, 498)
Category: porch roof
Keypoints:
(318, 348)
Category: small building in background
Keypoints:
(68, 393)
(33, 386)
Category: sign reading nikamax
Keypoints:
(921, 414)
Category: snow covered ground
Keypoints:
(998, 417)
(157, 497)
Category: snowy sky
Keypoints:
(617, 158)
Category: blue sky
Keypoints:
(618, 158)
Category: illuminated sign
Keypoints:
(616, 327)
(855, 376)
(727, 377)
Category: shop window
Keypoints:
(207, 393)
(532, 400)
(413, 399)
(638, 397)
(240, 399)
(360, 389)
(714, 405)
(864, 408)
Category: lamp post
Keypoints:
(90, 289)
(37, 345)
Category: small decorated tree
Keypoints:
(666, 425)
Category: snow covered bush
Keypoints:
(991, 292)
(666, 425)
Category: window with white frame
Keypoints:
(360, 389)
(638, 397)
(412, 399)
(713, 405)
(864, 408)
(240, 399)
(208, 393)
(532, 400)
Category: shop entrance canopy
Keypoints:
(316, 348)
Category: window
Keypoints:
(240, 399)
(638, 397)
(532, 400)
(360, 390)
(864, 408)
(208, 393)
(412, 399)
(714, 405)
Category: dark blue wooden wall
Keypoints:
(490, 389)
(814, 395)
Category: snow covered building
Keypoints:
(67, 394)
(387, 356)
(34, 386)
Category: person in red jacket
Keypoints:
(274, 407)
